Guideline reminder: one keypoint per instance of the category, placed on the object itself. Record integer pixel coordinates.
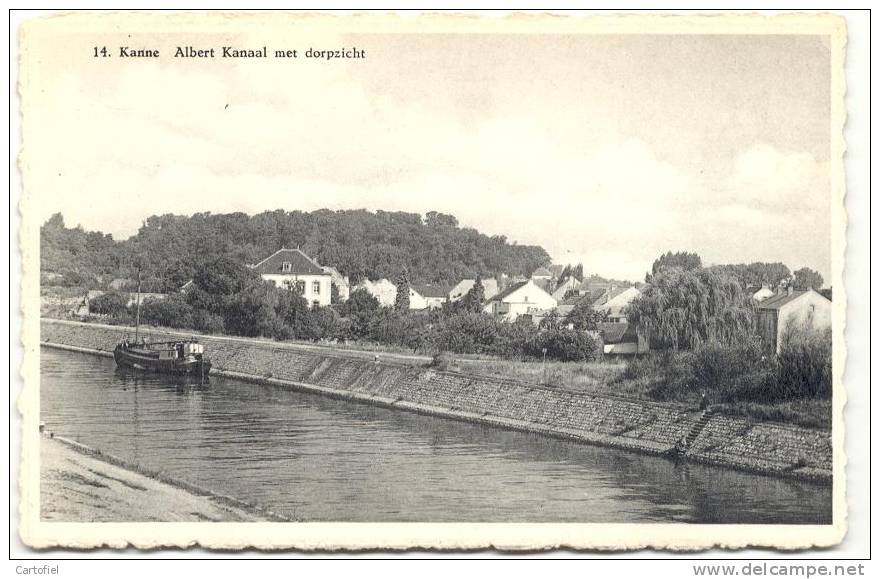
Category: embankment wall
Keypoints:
(402, 383)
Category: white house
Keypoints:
(807, 307)
(340, 281)
(518, 299)
(383, 290)
(763, 293)
(427, 296)
(614, 302)
(621, 338)
(293, 269)
(490, 289)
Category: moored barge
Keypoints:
(174, 357)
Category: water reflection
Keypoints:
(318, 458)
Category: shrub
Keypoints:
(566, 345)
(205, 321)
(516, 340)
(441, 361)
(171, 312)
(720, 369)
(804, 362)
(110, 304)
(468, 333)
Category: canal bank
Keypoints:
(78, 483)
(401, 383)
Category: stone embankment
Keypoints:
(401, 382)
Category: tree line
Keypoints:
(168, 249)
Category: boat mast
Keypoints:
(137, 319)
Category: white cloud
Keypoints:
(170, 139)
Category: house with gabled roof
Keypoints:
(622, 338)
(383, 290)
(775, 314)
(522, 298)
(427, 296)
(294, 270)
(490, 289)
(614, 302)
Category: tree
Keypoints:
(683, 308)
(401, 300)
(228, 289)
(578, 272)
(806, 278)
(360, 301)
(109, 304)
(551, 321)
(171, 312)
(583, 317)
(293, 311)
(474, 298)
(568, 345)
(359, 243)
(757, 274)
(680, 259)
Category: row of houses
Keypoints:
(541, 295)
(533, 298)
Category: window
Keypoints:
(300, 287)
(316, 304)
(285, 267)
(316, 287)
(526, 299)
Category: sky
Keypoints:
(606, 150)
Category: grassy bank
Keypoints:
(619, 378)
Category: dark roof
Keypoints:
(510, 289)
(618, 332)
(573, 300)
(300, 263)
(432, 291)
(776, 302)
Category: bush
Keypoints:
(205, 321)
(720, 369)
(468, 333)
(441, 361)
(401, 328)
(110, 304)
(171, 312)
(566, 345)
(804, 363)
(516, 340)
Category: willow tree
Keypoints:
(684, 308)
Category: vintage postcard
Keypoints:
(512, 281)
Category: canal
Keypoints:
(320, 459)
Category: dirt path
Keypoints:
(76, 487)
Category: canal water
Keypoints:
(320, 459)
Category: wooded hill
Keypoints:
(359, 243)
